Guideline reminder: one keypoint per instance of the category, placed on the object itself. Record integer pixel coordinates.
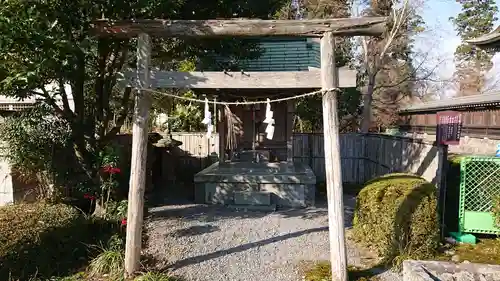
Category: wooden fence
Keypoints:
(364, 156)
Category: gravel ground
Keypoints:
(208, 243)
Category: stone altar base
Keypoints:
(281, 184)
(447, 271)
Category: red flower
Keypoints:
(88, 196)
(115, 171)
(111, 170)
(107, 168)
(124, 221)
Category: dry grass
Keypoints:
(486, 251)
(321, 271)
(156, 276)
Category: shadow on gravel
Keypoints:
(210, 213)
(194, 230)
(202, 213)
(241, 248)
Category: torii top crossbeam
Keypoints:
(363, 26)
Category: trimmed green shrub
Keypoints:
(396, 215)
(45, 240)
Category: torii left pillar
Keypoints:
(138, 167)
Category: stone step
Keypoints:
(258, 208)
(260, 198)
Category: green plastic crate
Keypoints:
(479, 184)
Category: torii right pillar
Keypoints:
(329, 83)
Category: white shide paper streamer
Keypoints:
(207, 120)
(269, 121)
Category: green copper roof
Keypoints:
(285, 55)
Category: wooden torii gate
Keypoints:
(327, 29)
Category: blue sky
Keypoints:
(439, 42)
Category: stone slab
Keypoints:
(289, 195)
(218, 193)
(252, 198)
(310, 194)
(283, 195)
(290, 184)
(245, 186)
(447, 271)
(243, 172)
(260, 208)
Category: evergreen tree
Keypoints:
(475, 19)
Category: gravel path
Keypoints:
(207, 243)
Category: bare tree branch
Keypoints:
(413, 73)
(397, 23)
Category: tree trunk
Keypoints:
(367, 105)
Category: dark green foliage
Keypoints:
(117, 210)
(310, 114)
(38, 144)
(44, 42)
(47, 240)
(396, 215)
